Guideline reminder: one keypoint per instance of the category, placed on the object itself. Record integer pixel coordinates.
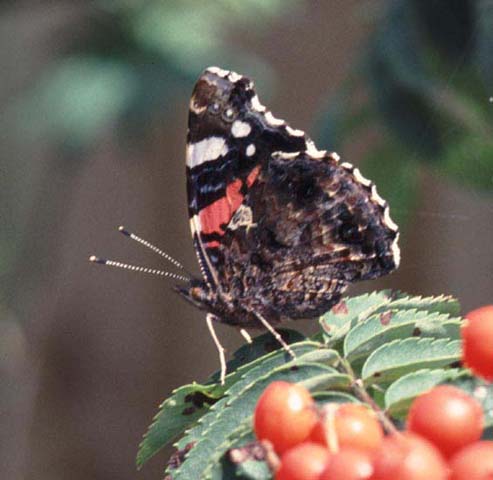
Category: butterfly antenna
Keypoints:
(222, 359)
(150, 246)
(136, 268)
(275, 333)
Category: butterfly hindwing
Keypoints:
(310, 227)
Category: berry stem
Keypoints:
(360, 391)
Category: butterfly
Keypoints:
(280, 228)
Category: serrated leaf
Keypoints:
(331, 380)
(253, 470)
(386, 326)
(252, 351)
(399, 357)
(170, 420)
(248, 470)
(402, 392)
(439, 304)
(341, 318)
(262, 366)
(334, 397)
(239, 407)
(328, 379)
(185, 406)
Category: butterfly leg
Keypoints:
(275, 333)
(222, 359)
(246, 335)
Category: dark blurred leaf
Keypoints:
(182, 409)
(396, 176)
(77, 100)
(470, 162)
(484, 35)
(399, 80)
(449, 26)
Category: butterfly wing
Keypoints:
(227, 143)
(311, 226)
(279, 227)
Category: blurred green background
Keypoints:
(93, 102)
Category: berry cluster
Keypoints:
(347, 441)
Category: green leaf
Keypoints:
(252, 351)
(185, 406)
(439, 304)
(247, 377)
(471, 161)
(253, 470)
(402, 392)
(170, 420)
(337, 322)
(481, 391)
(78, 99)
(249, 470)
(390, 325)
(209, 447)
(399, 357)
(400, 80)
(334, 397)
(399, 189)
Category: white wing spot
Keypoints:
(360, 179)
(256, 105)
(195, 224)
(388, 221)
(376, 197)
(242, 218)
(273, 121)
(206, 150)
(312, 150)
(234, 77)
(396, 252)
(250, 150)
(197, 110)
(218, 71)
(334, 156)
(286, 155)
(240, 129)
(294, 131)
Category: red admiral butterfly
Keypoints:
(280, 228)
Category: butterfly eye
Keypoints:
(229, 115)
(214, 108)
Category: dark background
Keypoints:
(93, 103)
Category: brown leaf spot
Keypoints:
(251, 451)
(385, 318)
(179, 456)
(198, 399)
(340, 308)
(188, 411)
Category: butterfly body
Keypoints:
(280, 228)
